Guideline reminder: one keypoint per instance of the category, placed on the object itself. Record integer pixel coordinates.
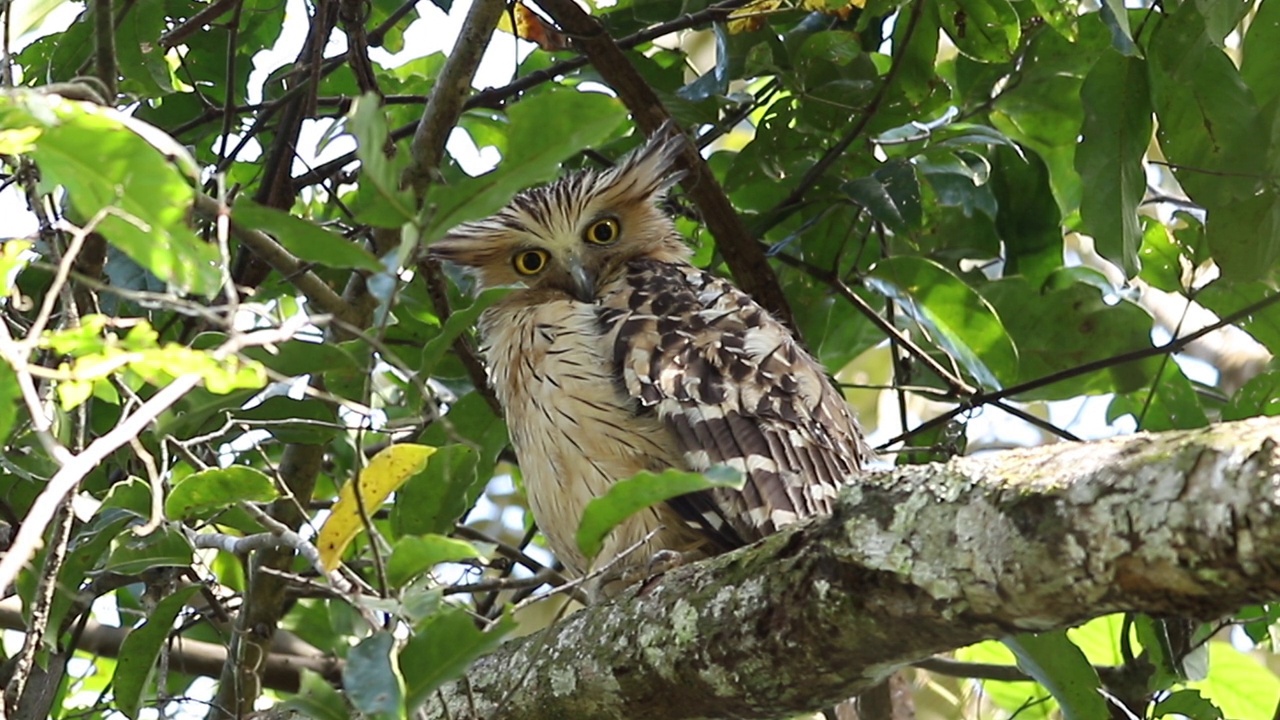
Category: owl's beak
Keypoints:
(584, 284)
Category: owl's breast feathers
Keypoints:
(672, 367)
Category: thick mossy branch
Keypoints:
(913, 562)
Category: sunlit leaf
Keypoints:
(140, 649)
(372, 679)
(384, 474)
(1056, 663)
(442, 648)
(627, 497)
(208, 491)
(416, 554)
(954, 314)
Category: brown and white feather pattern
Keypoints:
(574, 431)
(618, 356)
(733, 387)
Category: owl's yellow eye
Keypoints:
(602, 232)
(530, 262)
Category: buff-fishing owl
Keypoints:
(616, 355)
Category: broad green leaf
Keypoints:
(891, 194)
(432, 501)
(1099, 639)
(634, 494)
(1168, 403)
(443, 648)
(1028, 221)
(1228, 298)
(1259, 397)
(372, 678)
(1117, 19)
(203, 493)
(416, 554)
(124, 170)
(305, 239)
(985, 30)
(1161, 257)
(1067, 324)
(369, 124)
(546, 129)
(385, 473)
(316, 699)
(1115, 136)
(1030, 701)
(165, 547)
(1241, 685)
(140, 649)
(10, 396)
(1209, 126)
(1260, 53)
(311, 421)
(88, 546)
(472, 418)
(1244, 236)
(457, 324)
(1061, 15)
(954, 315)
(1188, 704)
(1056, 663)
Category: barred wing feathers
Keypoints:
(735, 388)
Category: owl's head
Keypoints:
(575, 233)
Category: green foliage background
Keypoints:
(924, 165)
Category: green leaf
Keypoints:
(1116, 133)
(965, 324)
(891, 194)
(206, 492)
(368, 122)
(1244, 236)
(1259, 397)
(372, 679)
(141, 647)
(443, 648)
(985, 30)
(1239, 684)
(1226, 298)
(1209, 126)
(434, 499)
(316, 699)
(1189, 704)
(1029, 222)
(1168, 403)
(308, 241)
(1260, 53)
(311, 421)
(108, 166)
(634, 494)
(1056, 663)
(416, 554)
(546, 129)
(10, 394)
(1066, 324)
(164, 547)
(1117, 19)
(459, 321)
(1029, 701)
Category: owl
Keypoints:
(616, 355)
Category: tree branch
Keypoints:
(737, 246)
(914, 562)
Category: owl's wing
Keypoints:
(735, 388)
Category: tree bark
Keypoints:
(913, 562)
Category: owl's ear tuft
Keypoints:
(653, 168)
(468, 244)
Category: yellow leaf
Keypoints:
(386, 472)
